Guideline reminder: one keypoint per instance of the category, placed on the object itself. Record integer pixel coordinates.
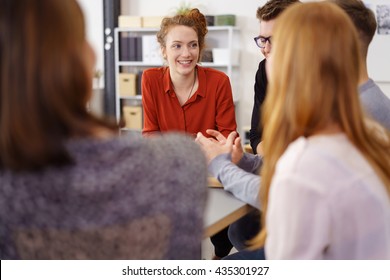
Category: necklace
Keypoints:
(182, 102)
(189, 95)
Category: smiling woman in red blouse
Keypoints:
(184, 96)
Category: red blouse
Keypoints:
(210, 107)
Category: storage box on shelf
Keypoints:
(127, 84)
(137, 49)
(133, 117)
(221, 20)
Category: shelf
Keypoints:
(143, 64)
(212, 65)
(129, 129)
(138, 63)
(155, 30)
(219, 38)
(135, 97)
(136, 29)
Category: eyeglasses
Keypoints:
(261, 41)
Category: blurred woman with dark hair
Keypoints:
(70, 188)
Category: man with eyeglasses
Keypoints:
(248, 226)
(267, 15)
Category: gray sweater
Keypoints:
(124, 198)
(375, 102)
(242, 180)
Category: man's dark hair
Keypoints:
(273, 8)
(362, 17)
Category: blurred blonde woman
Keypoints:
(326, 174)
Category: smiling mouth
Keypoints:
(185, 62)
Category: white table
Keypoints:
(222, 209)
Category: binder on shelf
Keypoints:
(151, 50)
(207, 55)
(130, 48)
(209, 20)
(124, 50)
(138, 47)
(139, 82)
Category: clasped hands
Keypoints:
(219, 144)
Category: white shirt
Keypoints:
(326, 202)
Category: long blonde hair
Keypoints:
(314, 82)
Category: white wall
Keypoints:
(93, 12)
(379, 54)
(379, 50)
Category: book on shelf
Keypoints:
(138, 49)
(209, 20)
(124, 54)
(130, 48)
(139, 81)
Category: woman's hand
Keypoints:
(220, 145)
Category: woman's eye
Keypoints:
(176, 46)
(194, 45)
